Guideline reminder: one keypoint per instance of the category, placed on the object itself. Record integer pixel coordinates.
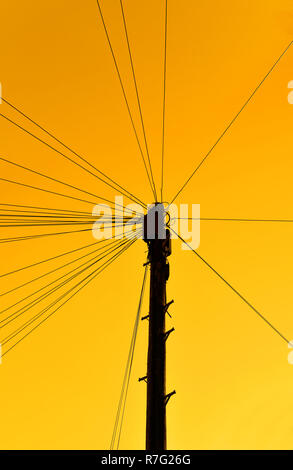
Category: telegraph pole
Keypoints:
(159, 248)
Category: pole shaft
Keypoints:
(156, 366)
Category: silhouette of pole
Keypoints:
(159, 249)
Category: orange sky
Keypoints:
(60, 387)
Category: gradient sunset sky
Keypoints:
(60, 387)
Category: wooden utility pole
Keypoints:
(159, 249)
